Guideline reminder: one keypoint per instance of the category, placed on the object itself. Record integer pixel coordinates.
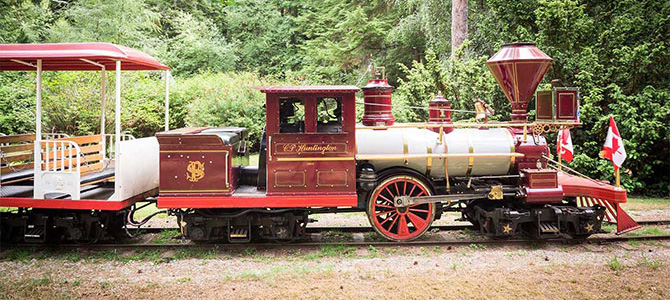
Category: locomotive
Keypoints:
(314, 158)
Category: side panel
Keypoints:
(137, 168)
(195, 166)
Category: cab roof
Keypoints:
(74, 57)
(309, 89)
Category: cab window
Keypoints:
(291, 115)
(329, 115)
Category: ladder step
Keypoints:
(34, 234)
(239, 232)
(547, 227)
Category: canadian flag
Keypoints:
(613, 148)
(564, 145)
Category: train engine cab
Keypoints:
(307, 164)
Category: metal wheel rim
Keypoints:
(395, 224)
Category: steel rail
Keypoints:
(385, 244)
(363, 229)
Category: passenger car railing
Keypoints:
(59, 169)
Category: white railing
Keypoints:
(58, 170)
(110, 140)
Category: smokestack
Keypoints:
(519, 68)
(377, 99)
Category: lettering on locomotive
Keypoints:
(311, 148)
(195, 171)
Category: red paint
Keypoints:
(518, 69)
(574, 186)
(333, 168)
(377, 98)
(319, 200)
(181, 147)
(439, 112)
(531, 149)
(67, 57)
(83, 204)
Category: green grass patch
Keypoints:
(646, 230)
(337, 236)
(166, 236)
(649, 263)
(615, 264)
(332, 251)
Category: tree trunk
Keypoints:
(459, 23)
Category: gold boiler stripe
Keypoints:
(471, 159)
(446, 168)
(511, 150)
(405, 148)
(429, 160)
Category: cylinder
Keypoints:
(439, 112)
(377, 98)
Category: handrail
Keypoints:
(466, 125)
(51, 159)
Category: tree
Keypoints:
(459, 23)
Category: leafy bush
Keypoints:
(225, 99)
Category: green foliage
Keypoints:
(225, 100)
(616, 52)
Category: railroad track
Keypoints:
(358, 244)
(364, 229)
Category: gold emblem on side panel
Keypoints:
(195, 171)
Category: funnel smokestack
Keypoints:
(519, 68)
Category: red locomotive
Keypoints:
(313, 159)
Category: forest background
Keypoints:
(616, 52)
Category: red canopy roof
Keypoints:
(307, 89)
(68, 57)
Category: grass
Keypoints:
(651, 264)
(337, 236)
(332, 251)
(646, 203)
(647, 230)
(166, 236)
(615, 265)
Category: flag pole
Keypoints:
(618, 177)
(560, 146)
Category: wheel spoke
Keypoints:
(397, 190)
(385, 206)
(382, 196)
(404, 188)
(384, 212)
(388, 218)
(402, 226)
(412, 190)
(416, 220)
(395, 219)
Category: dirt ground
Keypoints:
(586, 271)
(626, 270)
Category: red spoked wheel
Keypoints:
(405, 223)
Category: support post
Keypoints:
(167, 100)
(103, 84)
(37, 155)
(117, 112)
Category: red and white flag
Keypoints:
(564, 145)
(613, 147)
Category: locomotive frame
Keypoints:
(314, 159)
